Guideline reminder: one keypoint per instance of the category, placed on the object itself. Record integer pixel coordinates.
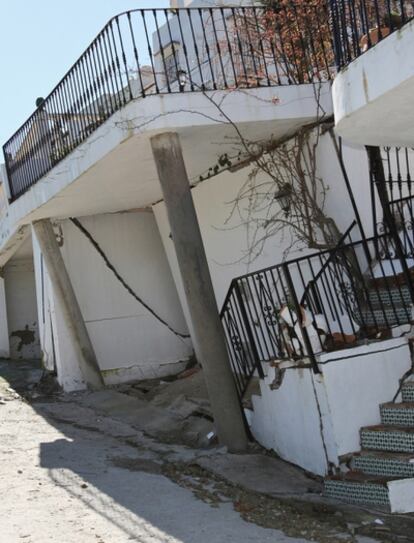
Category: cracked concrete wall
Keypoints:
(129, 342)
(21, 305)
(313, 420)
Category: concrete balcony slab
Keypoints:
(114, 170)
(373, 96)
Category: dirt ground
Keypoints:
(71, 473)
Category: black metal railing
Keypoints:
(358, 25)
(320, 302)
(398, 168)
(163, 51)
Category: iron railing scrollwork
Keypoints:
(320, 302)
(398, 166)
(144, 52)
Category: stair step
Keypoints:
(384, 317)
(358, 488)
(389, 297)
(408, 391)
(398, 414)
(384, 464)
(388, 438)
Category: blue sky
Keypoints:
(39, 41)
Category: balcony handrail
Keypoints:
(358, 25)
(163, 51)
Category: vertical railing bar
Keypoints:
(251, 318)
(304, 332)
(124, 59)
(117, 64)
(207, 48)
(258, 298)
(223, 73)
(108, 59)
(174, 52)
(249, 333)
(229, 47)
(241, 335)
(136, 56)
(184, 45)
(200, 71)
(161, 46)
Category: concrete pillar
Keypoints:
(66, 298)
(199, 292)
(4, 327)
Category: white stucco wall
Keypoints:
(22, 321)
(313, 420)
(226, 238)
(372, 96)
(129, 342)
(287, 420)
(357, 381)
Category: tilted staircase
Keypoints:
(384, 468)
(388, 306)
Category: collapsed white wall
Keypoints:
(129, 342)
(314, 420)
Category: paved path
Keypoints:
(58, 483)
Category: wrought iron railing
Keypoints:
(163, 51)
(358, 25)
(398, 167)
(324, 301)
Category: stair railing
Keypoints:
(320, 302)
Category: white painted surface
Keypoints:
(373, 95)
(357, 381)
(22, 309)
(82, 184)
(227, 237)
(287, 421)
(129, 342)
(312, 420)
(401, 494)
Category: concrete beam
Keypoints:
(66, 298)
(199, 291)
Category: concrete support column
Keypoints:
(66, 298)
(4, 327)
(199, 291)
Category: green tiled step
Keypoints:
(384, 317)
(357, 488)
(408, 392)
(382, 297)
(398, 414)
(388, 438)
(384, 464)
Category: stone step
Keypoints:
(383, 297)
(388, 438)
(383, 317)
(384, 464)
(407, 391)
(358, 488)
(355, 487)
(398, 414)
